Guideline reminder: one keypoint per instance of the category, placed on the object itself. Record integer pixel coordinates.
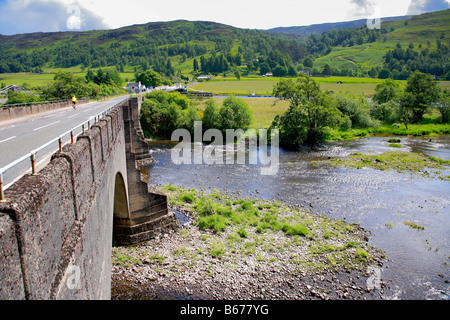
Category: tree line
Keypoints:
(65, 85)
(312, 111)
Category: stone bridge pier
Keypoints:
(57, 227)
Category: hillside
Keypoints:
(427, 36)
(183, 49)
(318, 29)
(168, 47)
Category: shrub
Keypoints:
(215, 222)
(189, 198)
(295, 229)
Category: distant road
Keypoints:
(21, 136)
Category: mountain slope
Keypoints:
(422, 34)
(167, 47)
(318, 29)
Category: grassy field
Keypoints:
(38, 80)
(264, 86)
(264, 110)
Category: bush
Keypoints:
(355, 108)
(385, 112)
(163, 112)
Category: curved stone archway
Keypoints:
(121, 209)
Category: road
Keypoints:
(19, 137)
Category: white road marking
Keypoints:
(72, 116)
(48, 125)
(10, 138)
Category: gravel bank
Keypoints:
(333, 260)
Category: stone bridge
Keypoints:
(58, 226)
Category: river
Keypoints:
(380, 201)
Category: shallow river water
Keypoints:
(418, 265)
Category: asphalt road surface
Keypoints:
(21, 136)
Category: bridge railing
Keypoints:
(47, 149)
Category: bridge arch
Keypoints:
(121, 208)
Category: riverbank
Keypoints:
(240, 248)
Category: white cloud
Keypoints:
(22, 16)
(421, 6)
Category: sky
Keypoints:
(25, 16)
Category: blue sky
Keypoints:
(23, 16)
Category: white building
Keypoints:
(134, 87)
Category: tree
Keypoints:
(310, 112)
(423, 92)
(264, 68)
(308, 62)
(149, 78)
(386, 91)
(237, 74)
(405, 111)
(235, 114)
(326, 70)
(196, 66)
(384, 74)
(90, 76)
(443, 106)
(211, 116)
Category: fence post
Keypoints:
(2, 195)
(33, 164)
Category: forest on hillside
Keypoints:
(213, 48)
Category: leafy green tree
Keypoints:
(443, 106)
(406, 113)
(163, 112)
(423, 92)
(326, 70)
(195, 65)
(311, 110)
(355, 108)
(384, 74)
(211, 116)
(308, 62)
(235, 114)
(90, 75)
(386, 91)
(149, 78)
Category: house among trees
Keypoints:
(136, 87)
(306, 72)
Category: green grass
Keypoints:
(400, 161)
(264, 110)
(395, 145)
(264, 86)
